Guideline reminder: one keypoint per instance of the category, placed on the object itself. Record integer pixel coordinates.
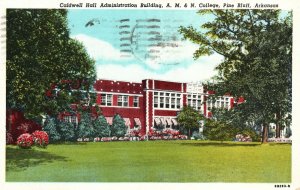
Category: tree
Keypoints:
(50, 127)
(66, 130)
(217, 130)
(40, 53)
(233, 122)
(257, 50)
(118, 127)
(101, 127)
(189, 118)
(85, 127)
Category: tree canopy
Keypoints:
(189, 118)
(40, 53)
(257, 50)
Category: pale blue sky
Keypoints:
(121, 43)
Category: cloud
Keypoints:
(99, 49)
(199, 70)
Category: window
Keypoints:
(178, 103)
(189, 102)
(194, 100)
(123, 100)
(73, 119)
(106, 99)
(109, 99)
(198, 104)
(155, 102)
(226, 104)
(167, 102)
(120, 100)
(173, 103)
(70, 119)
(135, 101)
(194, 103)
(103, 99)
(66, 118)
(161, 102)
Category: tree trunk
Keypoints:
(190, 133)
(278, 118)
(264, 138)
(277, 130)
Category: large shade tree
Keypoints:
(41, 54)
(257, 50)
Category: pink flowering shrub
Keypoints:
(105, 139)
(97, 139)
(25, 140)
(40, 138)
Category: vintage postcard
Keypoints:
(136, 94)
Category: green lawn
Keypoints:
(153, 161)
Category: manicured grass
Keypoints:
(153, 161)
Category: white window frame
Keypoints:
(136, 101)
(106, 100)
(123, 100)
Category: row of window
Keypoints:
(70, 119)
(219, 103)
(107, 100)
(167, 100)
(194, 100)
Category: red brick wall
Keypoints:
(164, 85)
(165, 112)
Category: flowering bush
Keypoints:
(97, 139)
(86, 139)
(9, 138)
(143, 138)
(243, 138)
(280, 140)
(114, 138)
(134, 132)
(182, 137)
(105, 139)
(40, 138)
(25, 140)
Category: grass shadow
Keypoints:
(21, 159)
(278, 144)
(222, 144)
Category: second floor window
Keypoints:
(135, 101)
(123, 100)
(106, 99)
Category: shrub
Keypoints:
(118, 127)
(85, 127)
(25, 140)
(50, 127)
(67, 131)
(101, 127)
(250, 133)
(40, 138)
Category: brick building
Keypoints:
(153, 102)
